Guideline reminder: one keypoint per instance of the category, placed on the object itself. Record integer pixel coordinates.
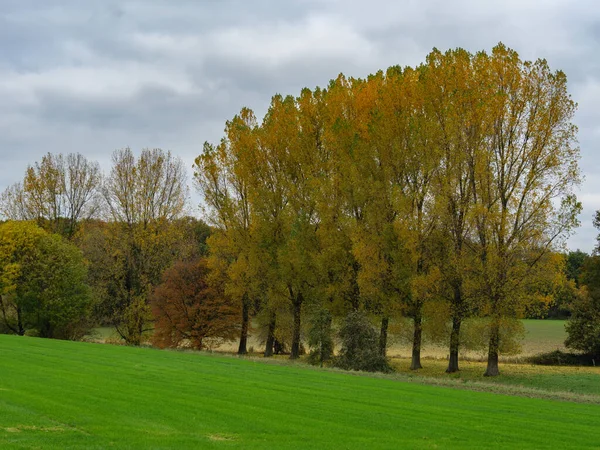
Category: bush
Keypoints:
(558, 358)
(360, 346)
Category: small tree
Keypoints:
(188, 309)
(583, 328)
(319, 338)
(360, 346)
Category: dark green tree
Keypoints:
(43, 287)
(320, 339)
(360, 345)
(575, 263)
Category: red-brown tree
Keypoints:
(189, 310)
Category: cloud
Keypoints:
(102, 74)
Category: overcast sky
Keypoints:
(92, 76)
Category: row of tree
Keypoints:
(129, 225)
(447, 184)
(431, 195)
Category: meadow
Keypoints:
(541, 336)
(59, 394)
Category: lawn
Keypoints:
(56, 394)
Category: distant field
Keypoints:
(56, 394)
(540, 336)
(544, 336)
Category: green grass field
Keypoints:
(56, 394)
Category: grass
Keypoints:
(543, 336)
(569, 382)
(56, 394)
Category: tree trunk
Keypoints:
(454, 344)
(416, 347)
(242, 349)
(383, 335)
(297, 305)
(271, 336)
(492, 363)
(20, 327)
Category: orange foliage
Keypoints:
(188, 311)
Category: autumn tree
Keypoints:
(270, 193)
(223, 181)
(523, 179)
(454, 107)
(57, 192)
(419, 159)
(144, 196)
(410, 191)
(189, 310)
(367, 171)
(300, 159)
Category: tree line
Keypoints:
(427, 196)
(122, 230)
(447, 184)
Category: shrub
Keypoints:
(360, 346)
(558, 358)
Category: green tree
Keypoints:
(575, 263)
(320, 337)
(583, 327)
(360, 345)
(42, 283)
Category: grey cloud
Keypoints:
(102, 74)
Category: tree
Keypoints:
(454, 107)
(583, 327)
(223, 182)
(57, 192)
(575, 263)
(188, 309)
(319, 338)
(42, 283)
(369, 172)
(523, 179)
(144, 197)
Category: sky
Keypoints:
(96, 75)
